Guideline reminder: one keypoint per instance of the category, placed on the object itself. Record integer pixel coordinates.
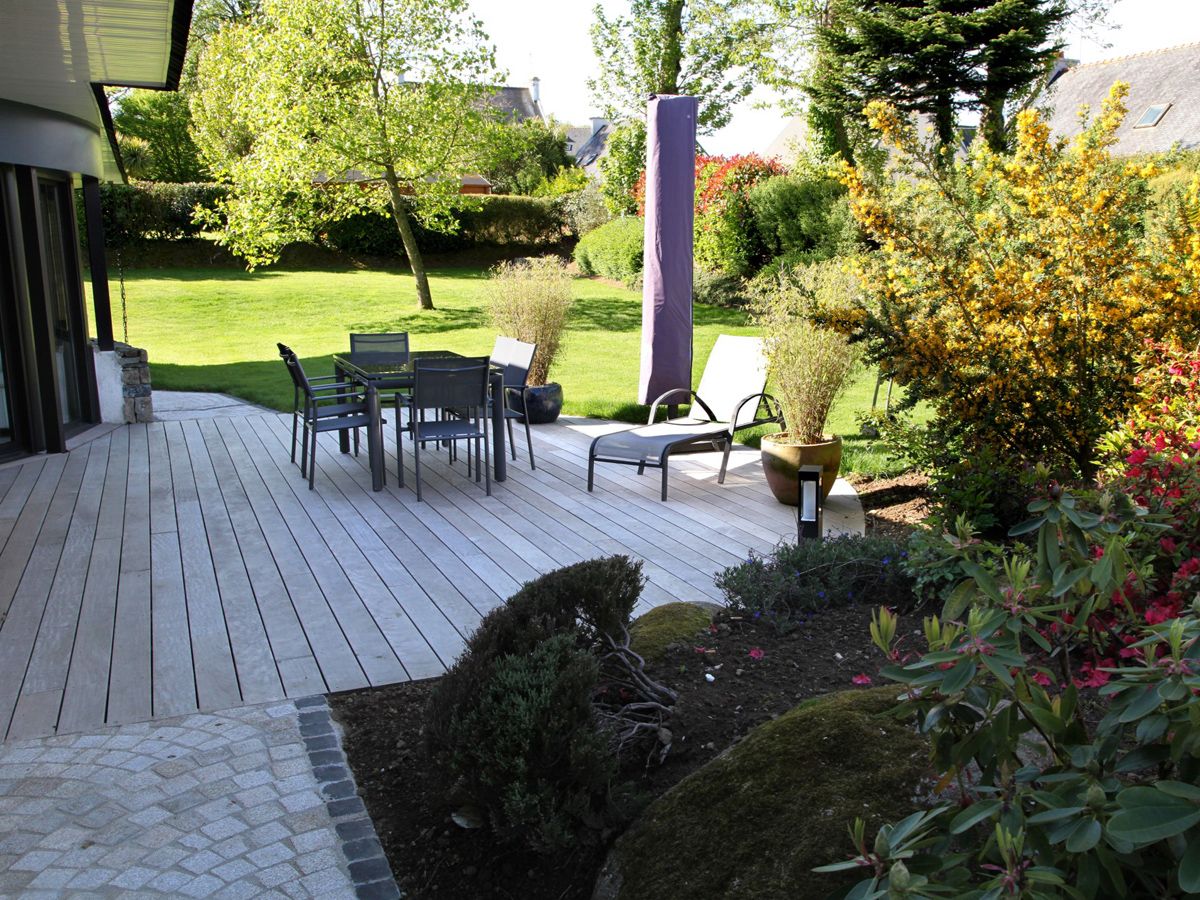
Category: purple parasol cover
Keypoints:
(667, 272)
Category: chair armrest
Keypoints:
(336, 386)
(774, 413)
(356, 395)
(324, 378)
(692, 395)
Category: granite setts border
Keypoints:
(369, 868)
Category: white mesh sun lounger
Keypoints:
(732, 386)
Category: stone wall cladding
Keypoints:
(135, 383)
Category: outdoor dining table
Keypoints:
(388, 372)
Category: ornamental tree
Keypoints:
(1014, 293)
(310, 101)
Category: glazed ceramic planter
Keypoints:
(543, 403)
(782, 461)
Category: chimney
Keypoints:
(536, 87)
(598, 123)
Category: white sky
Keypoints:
(549, 39)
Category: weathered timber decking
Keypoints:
(181, 566)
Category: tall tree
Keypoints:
(332, 91)
(161, 119)
(693, 47)
(818, 56)
(673, 47)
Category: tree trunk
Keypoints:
(672, 63)
(424, 297)
(991, 121)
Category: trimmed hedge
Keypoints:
(614, 250)
(501, 220)
(147, 211)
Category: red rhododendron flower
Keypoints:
(861, 679)
(756, 653)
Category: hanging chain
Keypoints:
(124, 309)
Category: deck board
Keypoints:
(165, 568)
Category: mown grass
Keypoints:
(216, 330)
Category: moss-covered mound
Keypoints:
(653, 632)
(754, 822)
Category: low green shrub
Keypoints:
(972, 479)
(812, 575)
(614, 250)
(525, 721)
(508, 221)
(152, 211)
(716, 289)
(802, 216)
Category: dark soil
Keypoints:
(434, 859)
(893, 506)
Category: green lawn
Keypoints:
(216, 330)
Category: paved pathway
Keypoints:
(179, 406)
(248, 803)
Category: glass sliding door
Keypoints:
(6, 414)
(62, 297)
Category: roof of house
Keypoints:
(516, 104)
(790, 141)
(55, 57)
(1168, 77)
(594, 149)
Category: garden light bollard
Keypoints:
(808, 510)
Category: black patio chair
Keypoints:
(389, 346)
(318, 384)
(322, 412)
(516, 391)
(457, 383)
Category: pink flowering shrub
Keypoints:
(1155, 458)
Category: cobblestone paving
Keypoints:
(222, 805)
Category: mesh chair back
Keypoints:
(736, 368)
(502, 351)
(516, 367)
(381, 347)
(450, 383)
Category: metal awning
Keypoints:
(52, 53)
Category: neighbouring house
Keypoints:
(1163, 101)
(589, 144)
(56, 135)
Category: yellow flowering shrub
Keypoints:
(1013, 292)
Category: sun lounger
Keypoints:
(730, 398)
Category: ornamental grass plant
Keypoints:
(529, 300)
(810, 366)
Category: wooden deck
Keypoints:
(181, 566)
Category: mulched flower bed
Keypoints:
(759, 671)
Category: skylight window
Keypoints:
(1152, 116)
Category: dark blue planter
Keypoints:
(544, 403)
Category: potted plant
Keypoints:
(810, 368)
(529, 300)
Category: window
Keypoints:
(1152, 116)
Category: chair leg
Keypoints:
(417, 464)
(312, 460)
(399, 446)
(487, 455)
(304, 451)
(529, 442)
(663, 461)
(511, 446)
(591, 470)
(725, 461)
